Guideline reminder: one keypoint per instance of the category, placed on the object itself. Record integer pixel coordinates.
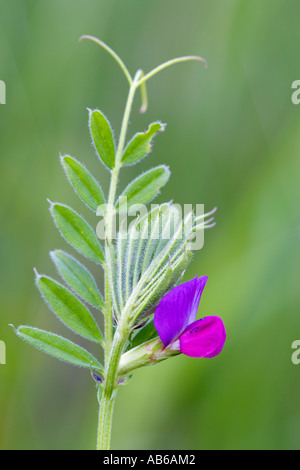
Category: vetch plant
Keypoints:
(148, 315)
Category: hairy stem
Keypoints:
(113, 346)
(110, 389)
(105, 421)
(115, 171)
(107, 315)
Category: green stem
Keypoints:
(105, 421)
(107, 313)
(113, 346)
(121, 144)
(110, 389)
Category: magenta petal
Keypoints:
(203, 338)
(177, 309)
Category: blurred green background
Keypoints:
(232, 141)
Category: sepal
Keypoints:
(147, 354)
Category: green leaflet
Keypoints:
(78, 278)
(144, 188)
(68, 308)
(58, 347)
(140, 145)
(102, 137)
(85, 185)
(77, 232)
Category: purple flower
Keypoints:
(174, 320)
